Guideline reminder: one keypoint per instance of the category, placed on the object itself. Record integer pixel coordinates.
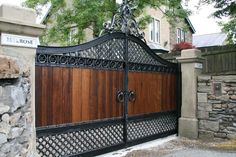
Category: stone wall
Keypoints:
(217, 106)
(16, 123)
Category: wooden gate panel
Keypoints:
(73, 95)
(155, 92)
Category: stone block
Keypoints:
(211, 97)
(202, 97)
(216, 106)
(1, 91)
(231, 136)
(15, 132)
(233, 129)
(16, 13)
(4, 108)
(224, 105)
(188, 128)
(15, 118)
(8, 68)
(226, 78)
(233, 97)
(4, 128)
(220, 135)
(3, 155)
(215, 101)
(206, 135)
(224, 98)
(205, 89)
(3, 139)
(209, 125)
(6, 118)
(204, 78)
(17, 97)
(204, 106)
(226, 89)
(231, 105)
(203, 114)
(202, 84)
(191, 53)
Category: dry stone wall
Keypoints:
(15, 109)
(217, 106)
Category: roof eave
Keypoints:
(190, 25)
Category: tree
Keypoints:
(226, 8)
(91, 14)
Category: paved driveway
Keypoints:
(173, 146)
(201, 153)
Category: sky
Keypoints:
(201, 20)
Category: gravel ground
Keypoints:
(182, 147)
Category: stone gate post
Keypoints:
(191, 67)
(19, 38)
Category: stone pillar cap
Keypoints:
(190, 56)
(19, 20)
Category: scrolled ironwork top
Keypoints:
(124, 21)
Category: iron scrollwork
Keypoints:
(124, 21)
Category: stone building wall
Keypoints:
(180, 23)
(217, 106)
(15, 108)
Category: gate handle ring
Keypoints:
(120, 96)
(132, 96)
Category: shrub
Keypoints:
(182, 46)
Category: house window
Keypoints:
(73, 31)
(180, 35)
(154, 31)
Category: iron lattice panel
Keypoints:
(110, 50)
(137, 54)
(160, 124)
(76, 142)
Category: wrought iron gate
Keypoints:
(104, 95)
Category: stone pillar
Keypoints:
(19, 33)
(191, 67)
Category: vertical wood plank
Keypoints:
(66, 93)
(76, 95)
(93, 101)
(57, 96)
(86, 78)
(100, 91)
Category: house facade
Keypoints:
(160, 35)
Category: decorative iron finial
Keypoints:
(124, 21)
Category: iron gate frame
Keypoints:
(50, 131)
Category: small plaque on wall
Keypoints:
(217, 88)
(19, 40)
(198, 65)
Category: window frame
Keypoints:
(154, 31)
(180, 35)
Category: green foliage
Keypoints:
(226, 8)
(91, 14)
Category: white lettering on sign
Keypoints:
(198, 65)
(19, 40)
